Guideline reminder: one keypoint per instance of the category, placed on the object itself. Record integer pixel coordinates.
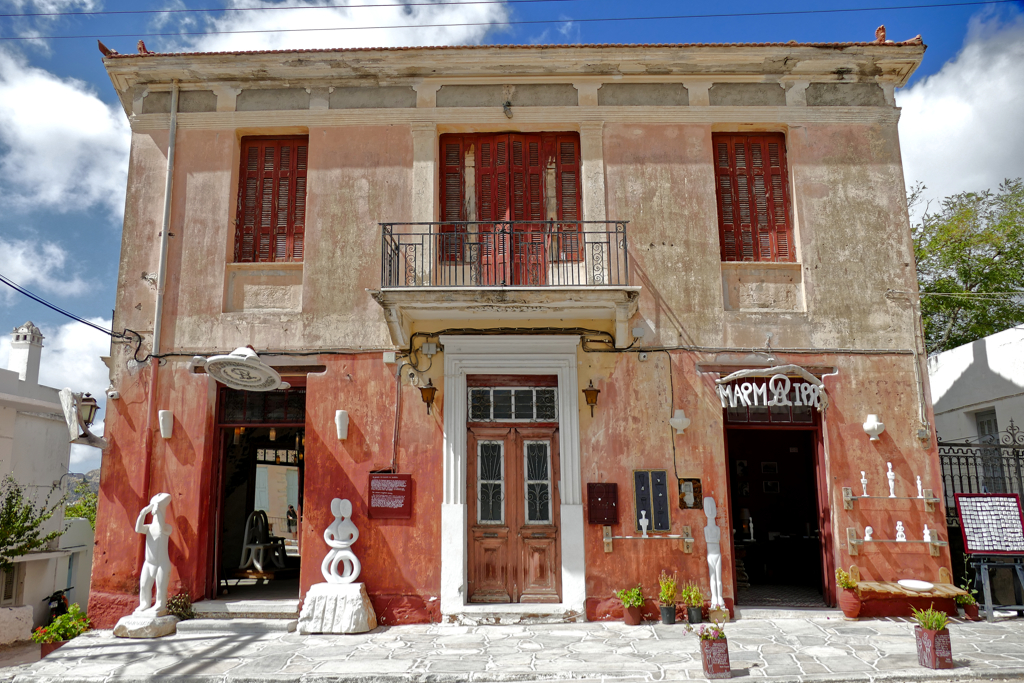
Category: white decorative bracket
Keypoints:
(872, 427)
(166, 419)
(679, 421)
(341, 423)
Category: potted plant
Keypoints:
(694, 601)
(968, 602)
(933, 647)
(667, 597)
(714, 651)
(61, 630)
(632, 604)
(849, 601)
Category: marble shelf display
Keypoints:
(927, 496)
(340, 605)
(856, 544)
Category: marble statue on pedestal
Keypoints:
(150, 619)
(891, 476)
(920, 491)
(713, 537)
(927, 534)
(864, 483)
(339, 605)
(901, 534)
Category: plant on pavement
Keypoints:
(65, 627)
(631, 597)
(667, 588)
(930, 619)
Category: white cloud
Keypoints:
(316, 15)
(37, 265)
(61, 147)
(71, 358)
(960, 129)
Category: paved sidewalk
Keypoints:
(805, 649)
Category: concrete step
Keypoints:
(787, 613)
(237, 626)
(247, 609)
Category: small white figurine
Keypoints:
(891, 476)
(713, 537)
(644, 522)
(867, 533)
(340, 536)
(901, 535)
(920, 493)
(750, 527)
(927, 534)
(157, 566)
(864, 483)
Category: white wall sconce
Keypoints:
(341, 423)
(679, 421)
(872, 427)
(166, 419)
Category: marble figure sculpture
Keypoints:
(157, 566)
(713, 537)
(891, 476)
(920, 492)
(340, 536)
(867, 533)
(927, 534)
(864, 483)
(901, 534)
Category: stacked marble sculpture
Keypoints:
(340, 605)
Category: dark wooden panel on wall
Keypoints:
(650, 496)
(603, 503)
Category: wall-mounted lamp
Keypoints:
(427, 393)
(591, 395)
(166, 420)
(872, 427)
(341, 424)
(87, 409)
(507, 106)
(679, 421)
(273, 434)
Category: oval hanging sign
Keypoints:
(242, 369)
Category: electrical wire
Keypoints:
(521, 22)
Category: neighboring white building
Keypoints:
(978, 388)
(34, 449)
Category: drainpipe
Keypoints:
(161, 280)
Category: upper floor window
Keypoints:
(271, 214)
(753, 197)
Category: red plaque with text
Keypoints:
(391, 496)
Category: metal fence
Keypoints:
(996, 465)
(504, 254)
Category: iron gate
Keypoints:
(994, 466)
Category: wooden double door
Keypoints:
(514, 542)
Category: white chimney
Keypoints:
(26, 348)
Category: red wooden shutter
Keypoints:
(271, 214)
(753, 205)
(452, 163)
(492, 193)
(567, 185)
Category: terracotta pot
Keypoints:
(933, 648)
(668, 614)
(849, 603)
(971, 612)
(693, 614)
(714, 656)
(47, 648)
(632, 615)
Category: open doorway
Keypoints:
(261, 485)
(777, 534)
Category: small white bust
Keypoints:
(867, 533)
(927, 534)
(901, 534)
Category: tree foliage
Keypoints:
(22, 521)
(84, 505)
(970, 265)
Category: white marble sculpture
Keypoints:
(340, 605)
(864, 483)
(891, 476)
(873, 427)
(644, 522)
(901, 534)
(920, 492)
(340, 536)
(927, 534)
(713, 537)
(867, 533)
(150, 619)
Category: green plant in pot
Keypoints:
(934, 650)
(849, 601)
(691, 596)
(632, 604)
(968, 602)
(667, 589)
(62, 629)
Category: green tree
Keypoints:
(84, 505)
(21, 522)
(970, 265)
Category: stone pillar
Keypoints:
(26, 350)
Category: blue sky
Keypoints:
(63, 137)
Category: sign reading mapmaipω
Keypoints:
(777, 391)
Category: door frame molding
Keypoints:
(510, 355)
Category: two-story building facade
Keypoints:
(455, 246)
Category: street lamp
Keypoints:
(87, 409)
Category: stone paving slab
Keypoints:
(777, 650)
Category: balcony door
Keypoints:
(514, 542)
(504, 198)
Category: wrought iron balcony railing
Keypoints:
(504, 254)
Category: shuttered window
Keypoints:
(271, 214)
(753, 197)
(511, 177)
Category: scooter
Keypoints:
(58, 603)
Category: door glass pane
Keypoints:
(524, 404)
(546, 405)
(480, 404)
(538, 482)
(502, 404)
(491, 482)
